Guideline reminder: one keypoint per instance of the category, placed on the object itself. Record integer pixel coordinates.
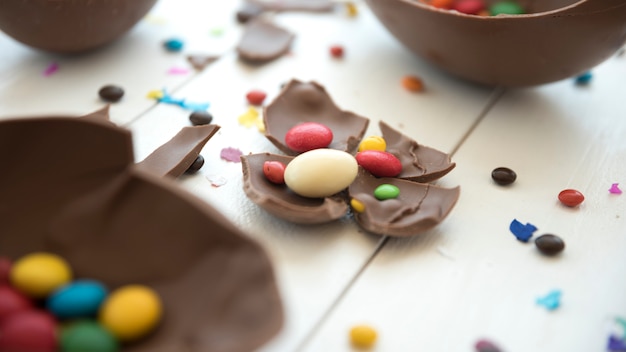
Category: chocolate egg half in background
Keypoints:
(554, 40)
(70, 26)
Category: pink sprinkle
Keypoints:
(216, 180)
(52, 68)
(231, 154)
(615, 189)
(177, 71)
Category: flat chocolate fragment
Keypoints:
(418, 208)
(200, 62)
(419, 163)
(309, 102)
(263, 41)
(118, 223)
(248, 11)
(280, 201)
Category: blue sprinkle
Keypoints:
(615, 344)
(584, 79)
(551, 301)
(522, 232)
(174, 45)
(168, 99)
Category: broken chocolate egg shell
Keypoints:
(68, 26)
(263, 41)
(301, 102)
(556, 39)
(280, 201)
(419, 163)
(69, 186)
(418, 208)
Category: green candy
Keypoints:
(386, 191)
(506, 8)
(87, 336)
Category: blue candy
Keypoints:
(78, 299)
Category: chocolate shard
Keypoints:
(263, 41)
(70, 187)
(176, 156)
(418, 208)
(101, 115)
(200, 62)
(309, 102)
(419, 163)
(280, 201)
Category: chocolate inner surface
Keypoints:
(309, 102)
(263, 41)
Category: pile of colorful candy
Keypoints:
(479, 7)
(42, 308)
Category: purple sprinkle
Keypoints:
(486, 346)
(522, 232)
(52, 68)
(615, 189)
(616, 344)
(231, 154)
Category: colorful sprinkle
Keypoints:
(571, 197)
(217, 180)
(173, 45)
(486, 346)
(357, 205)
(217, 31)
(231, 154)
(551, 301)
(363, 336)
(177, 71)
(584, 79)
(386, 191)
(522, 232)
(413, 83)
(155, 94)
(183, 103)
(51, 69)
(615, 189)
(351, 9)
(615, 344)
(251, 118)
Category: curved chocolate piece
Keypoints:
(567, 38)
(294, 5)
(69, 186)
(176, 156)
(70, 26)
(199, 62)
(309, 102)
(99, 115)
(263, 41)
(281, 202)
(418, 208)
(419, 163)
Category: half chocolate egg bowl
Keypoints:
(69, 186)
(552, 40)
(70, 26)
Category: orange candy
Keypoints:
(442, 4)
(412, 83)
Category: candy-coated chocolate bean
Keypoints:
(506, 8)
(88, 336)
(12, 301)
(78, 299)
(470, 7)
(308, 136)
(27, 331)
(274, 171)
(386, 191)
(571, 197)
(320, 173)
(373, 143)
(256, 97)
(363, 336)
(549, 244)
(357, 206)
(412, 83)
(336, 51)
(379, 164)
(5, 269)
(38, 274)
(130, 312)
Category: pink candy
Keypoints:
(308, 136)
(274, 171)
(470, 7)
(379, 163)
(29, 330)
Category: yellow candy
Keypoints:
(38, 274)
(357, 206)
(373, 143)
(130, 312)
(363, 336)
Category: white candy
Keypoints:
(320, 172)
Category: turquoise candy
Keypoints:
(89, 336)
(506, 8)
(78, 299)
(386, 191)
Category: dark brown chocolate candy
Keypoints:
(503, 176)
(309, 102)
(196, 165)
(111, 93)
(549, 244)
(198, 118)
(123, 224)
(280, 201)
(263, 41)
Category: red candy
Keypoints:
(379, 163)
(11, 302)
(336, 51)
(274, 171)
(28, 331)
(470, 7)
(256, 97)
(308, 136)
(5, 269)
(571, 197)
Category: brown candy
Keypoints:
(111, 93)
(549, 244)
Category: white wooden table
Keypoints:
(441, 291)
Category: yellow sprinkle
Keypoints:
(351, 8)
(155, 94)
(155, 20)
(357, 205)
(363, 336)
(260, 125)
(373, 143)
(249, 118)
